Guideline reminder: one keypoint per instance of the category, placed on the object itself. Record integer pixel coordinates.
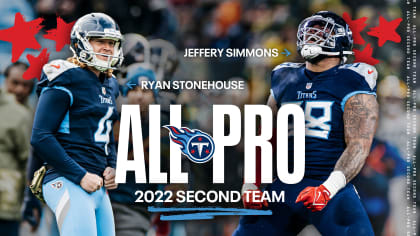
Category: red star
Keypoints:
(192, 151)
(22, 35)
(207, 151)
(61, 35)
(199, 139)
(386, 31)
(365, 56)
(356, 27)
(36, 64)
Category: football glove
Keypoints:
(316, 198)
(251, 197)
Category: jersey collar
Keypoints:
(317, 75)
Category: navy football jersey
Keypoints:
(86, 130)
(322, 97)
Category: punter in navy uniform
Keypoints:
(72, 130)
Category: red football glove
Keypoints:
(314, 198)
(251, 197)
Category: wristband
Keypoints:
(335, 182)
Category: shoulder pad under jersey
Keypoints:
(288, 65)
(367, 71)
(56, 67)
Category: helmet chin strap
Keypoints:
(309, 52)
(101, 65)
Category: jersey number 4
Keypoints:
(104, 128)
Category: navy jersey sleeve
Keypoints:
(281, 76)
(54, 74)
(276, 87)
(46, 124)
(357, 78)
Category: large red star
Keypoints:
(386, 31)
(36, 64)
(365, 56)
(61, 35)
(22, 35)
(356, 27)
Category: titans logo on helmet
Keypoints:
(195, 144)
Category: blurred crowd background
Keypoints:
(157, 32)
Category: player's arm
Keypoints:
(360, 121)
(45, 144)
(272, 104)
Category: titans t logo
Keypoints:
(195, 144)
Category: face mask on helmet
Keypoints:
(319, 35)
(100, 26)
(92, 58)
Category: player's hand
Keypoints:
(314, 198)
(109, 177)
(91, 182)
(251, 197)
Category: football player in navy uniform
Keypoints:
(73, 124)
(341, 112)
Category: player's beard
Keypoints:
(319, 58)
